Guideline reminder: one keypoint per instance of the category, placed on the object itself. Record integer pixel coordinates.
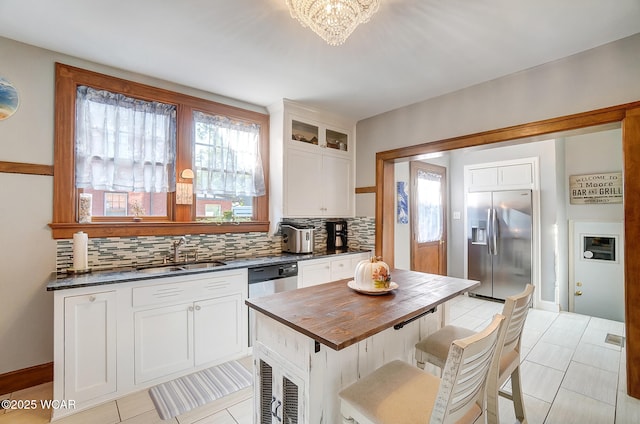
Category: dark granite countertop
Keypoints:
(122, 275)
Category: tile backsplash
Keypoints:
(114, 252)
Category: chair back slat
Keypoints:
(515, 311)
(465, 373)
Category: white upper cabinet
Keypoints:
(501, 176)
(311, 163)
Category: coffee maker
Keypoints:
(336, 235)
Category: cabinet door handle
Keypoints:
(273, 400)
(197, 307)
(190, 308)
(275, 413)
(92, 298)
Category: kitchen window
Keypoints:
(131, 153)
(115, 204)
(227, 165)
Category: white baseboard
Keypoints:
(547, 306)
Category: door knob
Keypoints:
(578, 292)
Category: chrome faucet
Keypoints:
(176, 247)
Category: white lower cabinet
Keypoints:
(320, 271)
(176, 337)
(341, 269)
(218, 331)
(313, 272)
(280, 393)
(108, 343)
(90, 345)
(163, 341)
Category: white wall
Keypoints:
(27, 257)
(594, 153)
(598, 78)
(601, 77)
(27, 252)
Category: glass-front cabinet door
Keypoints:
(337, 140)
(304, 132)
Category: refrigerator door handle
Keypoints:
(489, 231)
(494, 232)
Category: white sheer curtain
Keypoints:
(227, 157)
(429, 198)
(124, 144)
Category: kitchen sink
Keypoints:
(203, 265)
(160, 269)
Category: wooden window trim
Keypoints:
(181, 218)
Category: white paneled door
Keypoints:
(597, 271)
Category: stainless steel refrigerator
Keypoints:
(499, 241)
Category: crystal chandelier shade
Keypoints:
(333, 20)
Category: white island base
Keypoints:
(297, 380)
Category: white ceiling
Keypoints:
(252, 50)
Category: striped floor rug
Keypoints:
(186, 393)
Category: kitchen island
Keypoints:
(312, 342)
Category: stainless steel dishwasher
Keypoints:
(270, 279)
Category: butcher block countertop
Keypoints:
(337, 316)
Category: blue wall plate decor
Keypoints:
(8, 99)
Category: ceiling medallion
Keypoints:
(333, 20)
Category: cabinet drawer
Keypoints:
(312, 273)
(163, 293)
(341, 269)
(221, 285)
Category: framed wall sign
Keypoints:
(595, 188)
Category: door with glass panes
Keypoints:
(428, 224)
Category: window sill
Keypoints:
(133, 229)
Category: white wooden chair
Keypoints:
(434, 348)
(399, 393)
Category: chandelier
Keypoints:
(333, 20)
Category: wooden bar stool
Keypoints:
(435, 347)
(399, 393)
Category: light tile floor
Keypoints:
(136, 408)
(569, 373)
